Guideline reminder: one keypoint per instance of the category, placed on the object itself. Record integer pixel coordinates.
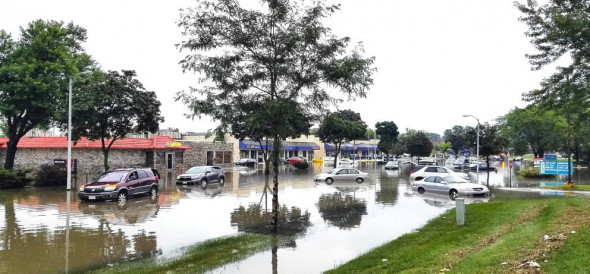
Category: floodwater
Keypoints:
(48, 230)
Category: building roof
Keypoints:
(155, 143)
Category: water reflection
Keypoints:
(342, 210)
(255, 219)
(444, 201)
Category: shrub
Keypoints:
(301, 165)
(533, 173)
(9, 179)
(50, 175)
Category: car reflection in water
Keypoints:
(132, 211)
(444, 201)
(211, 191)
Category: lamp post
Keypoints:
(68, 163)
(477, 164)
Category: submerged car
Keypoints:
(420, 172)
(119, 184)
(344, 174)
(392, 165)
(449, 185)
(202, 175)
(482, 166)
(246, 162)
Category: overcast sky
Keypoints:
(436, 59)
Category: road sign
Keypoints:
(550, 158)
(551, 167)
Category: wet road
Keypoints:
(42, 230)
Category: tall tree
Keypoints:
(33, 76)
(416, 143)
(341, 127)
(389, 133)
(280, 53)
(541, 130)
(108, 106)
(490, 141)
(455, 136)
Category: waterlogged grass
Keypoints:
(498, 237)
(200, 258)
(576, 187)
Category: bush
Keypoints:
(533, 173)
(10, 179)
(50, 175)
(301, 165)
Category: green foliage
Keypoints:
(50, 175)
(301, 165)
(13, 179)
(389, 133)
(532, 127)
(533, 173)
(32, 81)
(490, 140)
(455, 136)
(108, 106)
(341, 127)
(416, 143)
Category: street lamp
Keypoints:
(477, 164)
(68, 163)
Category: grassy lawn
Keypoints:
(200, 258)
(499, 237)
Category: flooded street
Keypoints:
(45, 230)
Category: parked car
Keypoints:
(292, 160)
(342, 174)
(420, 172)
(449, 185)
(345, 162)
(482, 166)
(120, 184)
(392, 165)
(246, 162)
(202, 175)
(461, 163)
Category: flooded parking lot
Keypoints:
(47, 230)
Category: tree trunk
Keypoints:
(11, 148)
(105, 153)
(338, 146)
(275, 185)
(488, 164)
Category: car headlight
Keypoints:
(82, 187)
(110, 187)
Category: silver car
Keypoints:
(421, 172)
(342, 174)
(202, 175)
(450, 185)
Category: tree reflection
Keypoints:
(387, 193)
(255, 219)
(342, 211)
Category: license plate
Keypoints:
(91, 197)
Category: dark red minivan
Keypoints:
(120, 184)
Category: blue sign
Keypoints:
(550, 158)
(559, 168)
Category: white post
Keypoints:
(69, 161)
(460, 211)
(477, 167)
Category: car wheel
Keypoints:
(329, 181)
(154, 192)
(453, 194)
(359, 180)
(421, 190)
(204, 184)
(122, 197)
(221, 181)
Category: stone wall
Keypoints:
(220, 153)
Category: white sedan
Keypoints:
(341, 174)
(450, 185)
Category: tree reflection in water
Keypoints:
(342, 211)
(255, 219)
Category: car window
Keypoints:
(133, 176)
(196, 170)
(342, 172)
(442, 170)
(430, 179)
(438, 179)
(142, 174)
(217, 169)
(452, 180)
(353, 171)
(431, 169)
(112, 176)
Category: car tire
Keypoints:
(421, 190)
(221, 181)
(122, 197)
(453, 193)
(359, 180)
(153, 192)
(329, 181)
(204, 184)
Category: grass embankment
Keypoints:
(200, 258)
(499, 237)
(569, 188)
